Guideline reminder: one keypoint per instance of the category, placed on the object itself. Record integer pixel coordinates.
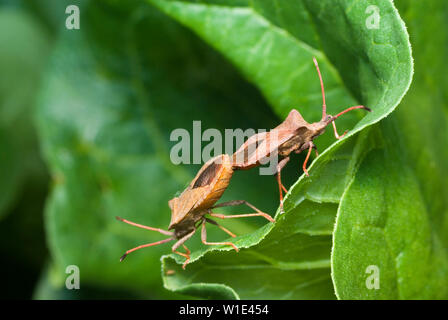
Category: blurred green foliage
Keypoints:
(23, 176)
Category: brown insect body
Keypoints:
(292, 135)
(298, 133)
(188, 211)
(203, 192)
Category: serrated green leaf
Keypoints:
(273, 50)
(394, 214)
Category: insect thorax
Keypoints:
(300, 140)
(188, 224)
(291, 145)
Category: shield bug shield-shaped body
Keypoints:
(292, 135)
(193, 208)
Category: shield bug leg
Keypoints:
(245, 215)
(204, 239)
(284, 189)
(187, 256)
(306, 147)
(281, 187)
(237, 203)
(165, 232)
(181, 242)
(336, 132)
(144, 246)
(220, 227)
(310, 147)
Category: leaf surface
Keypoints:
(274, 48)
(394, 214)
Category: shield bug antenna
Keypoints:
(194, 207)
(292, 135)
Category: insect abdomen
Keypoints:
(220, 186)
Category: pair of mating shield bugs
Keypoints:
(194, 207)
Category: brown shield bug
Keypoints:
(194, 207)
(292, 135)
